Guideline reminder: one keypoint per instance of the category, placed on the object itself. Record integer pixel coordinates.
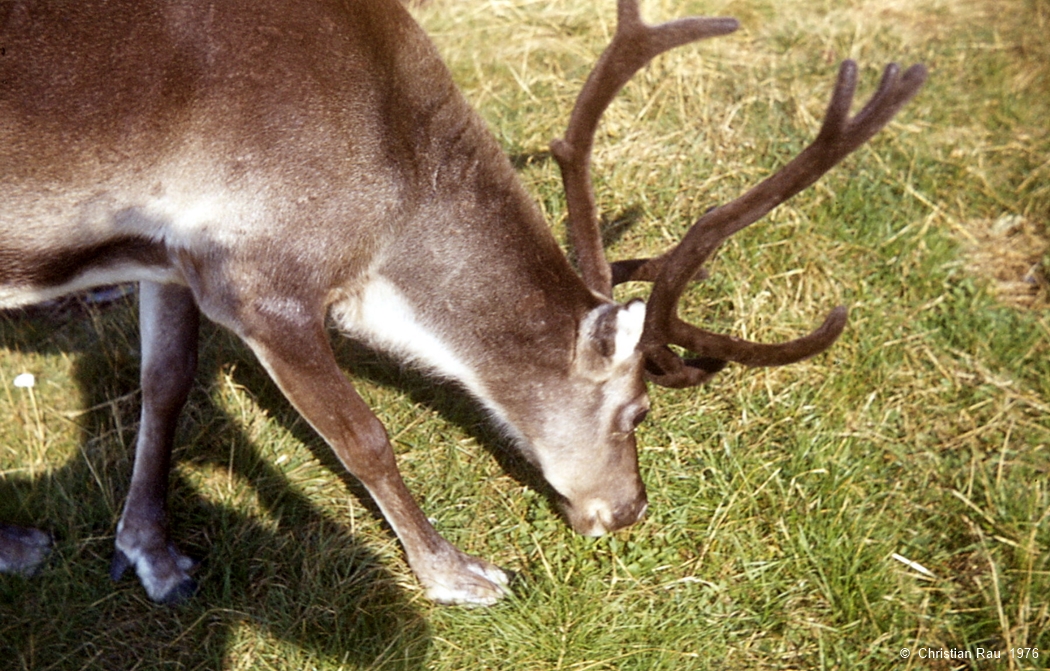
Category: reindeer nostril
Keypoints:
(641, 510)
(629, 513)
(601, 517)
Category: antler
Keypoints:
(672, 271)
(633, 45)
(838, 137)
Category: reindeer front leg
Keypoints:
(300, 359)
(169, 322)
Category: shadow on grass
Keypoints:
(297, 577)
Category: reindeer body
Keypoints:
(221, 154)
(272, 164)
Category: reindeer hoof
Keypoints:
(23, 550)
(163, 573)
(180, 593)
(469, 581)
(118, 566)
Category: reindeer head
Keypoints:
(619, 347)
(591, 464)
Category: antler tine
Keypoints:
(839, 136)
(667, 369)
(633, 45)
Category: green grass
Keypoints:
(779, 498)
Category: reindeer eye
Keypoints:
(631, 415)
(639, 417)
(631, 418)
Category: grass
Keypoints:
(784, 502)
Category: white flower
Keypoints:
(25, 380)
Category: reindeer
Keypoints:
(272, 165)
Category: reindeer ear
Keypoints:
(609, 335)
(629, 322)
